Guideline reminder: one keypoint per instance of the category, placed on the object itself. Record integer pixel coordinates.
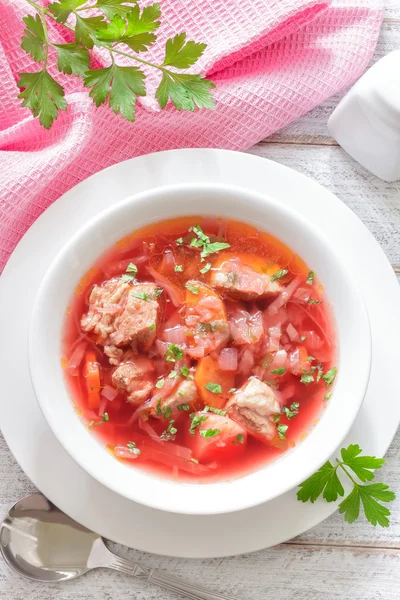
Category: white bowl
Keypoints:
(79, 254)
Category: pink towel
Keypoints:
(272, 61)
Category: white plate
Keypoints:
(59, 477)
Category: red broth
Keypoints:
(216, 339)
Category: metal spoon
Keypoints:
(40, 542)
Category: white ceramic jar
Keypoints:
(366, 123)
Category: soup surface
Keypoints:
(199, 349)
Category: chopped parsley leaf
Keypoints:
(240, 438)
(173, 353)
(192, 288)
(217, 411)
(141, 296)
(232, 390)
(310, 278)
(307, 378)
(173, 375)
(184, 407)
(126, 278)
(208, 433)
(181, 394)
(132, 448)
(178, 268)
(179, 241)
(132, 269)
(185, 372)
(170, 432)
(277, 418)
(196, 421)
(105, 417)
(279, 371)
(205, 269)
(293, 411)
(160, 383)
(203, 241)
(314, 301)
(279, 274)
(330, 376)
(158, 292)
(327, 396)
(215, 388)
(152, 327)
(282, 429)
(320, 371)
(158, 408)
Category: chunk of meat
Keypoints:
(135, 375)
(240, 281)
(205, 319)
(217, 438)
(121, 314)
(184, 393)
(254, 406)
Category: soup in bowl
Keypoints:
(199, 361)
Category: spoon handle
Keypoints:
(190, 592)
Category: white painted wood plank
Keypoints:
(392, 9)
(376, 203)
(311, 128)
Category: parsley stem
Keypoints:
(340, 464)
(46, 38)
(45, 11)
(141, 60)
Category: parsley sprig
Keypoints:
(116, 26)
(326, 482)
(203, 241)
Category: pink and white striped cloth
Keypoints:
(272, 61)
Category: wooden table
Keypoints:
(334, 560)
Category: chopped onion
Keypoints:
(221, 229)
(122, 452)
(76, 358)
(284, 296)
(228, 359)
(259, 372)
(172, 291)
(168, 259)
(176, 335)
(145, 426)
(274, 337)
(109, 393)
(288, 392)
(246, 362)
(313, 341)
(303, 294)
(279, 360)
(162, 347)
(196, 352)
(292, 333)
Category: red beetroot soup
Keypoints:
(199, 349)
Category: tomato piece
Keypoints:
(208, 371)
(91, 372)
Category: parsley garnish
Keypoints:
(208, 433)
(314, 301)
(203, 241)
(185, 372)
(173, 353)
(282, 429)
(158, 293)
(215, 388)
(232, 390)
(141, 296)
(205, 269)
(133, 449)
(178, 268)
(172, 375)
(326, 482)
(310, 278)
(192, 288)
(170, 432)
(327, 396)
(330, 376)
(307, 378)
(179, 241)
(131, 272)
(293, 411)
(279, 274)
(240, 438)
(196, 420)
(160, 383)
(184, 407)
(279, 371)
(217, 411)
(152, 327)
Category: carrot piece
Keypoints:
(208, 371)
(204, 291)
(91, 373)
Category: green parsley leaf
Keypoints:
(160, 383)
(314, 301)
(141, 296)
(185, 407)
(185, 91)
(307, 378)
(213, 247)
(293, 411)
(118, 85)
(179, 241)
(363, 466)
(185, 372)
(215, 388)
(208, 433)
(152, 327)
(33, 39)
(105, 417)
(158, 292)
(42, 95)
(196, 420)
(167, 412)
(325, 481)
(72, 59)
(62, 9)
(192, 288)
(216, 411)
(133, 29)
(178, 268)
(310, 278)
(110, 8)
(173, 375)
(282, 429)
(180, 53)
(173, 353)
(277, 418)
(132, 269)
(327, 396)
(240, 438)
(330, 376)
(132, 448)
(279, 371)
(87, 30)
(232, 390)
(126, 278)
(205, 269)
(279, 274)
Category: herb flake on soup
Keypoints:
(199, 349)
